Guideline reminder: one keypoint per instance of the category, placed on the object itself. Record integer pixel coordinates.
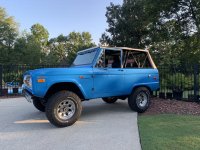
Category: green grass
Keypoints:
(169, 132)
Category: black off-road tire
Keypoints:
(52, 108)
(110, 100)
(38, 104)
(134, 100)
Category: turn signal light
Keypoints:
(41, 80)
(81, 77)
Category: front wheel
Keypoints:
(38, 104)
(63, 109)
(139, 100)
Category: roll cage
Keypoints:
(129, 57)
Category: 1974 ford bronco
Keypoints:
(100, 72)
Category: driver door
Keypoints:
(108, 81)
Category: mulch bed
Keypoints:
(165, 106)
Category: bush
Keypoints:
(180, 82)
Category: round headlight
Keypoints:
(28, 80)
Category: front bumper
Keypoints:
(28, 96)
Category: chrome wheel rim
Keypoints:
(66, 109)
(142, 99)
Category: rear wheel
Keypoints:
(63, 109)
(38, 104)
(139, 100)
(110, 100)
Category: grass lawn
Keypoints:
(169, 132)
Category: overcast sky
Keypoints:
(61, 16)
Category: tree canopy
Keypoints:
(170, 29)
(63, 49)
(35, 47)
(8, 33)
(40, 34)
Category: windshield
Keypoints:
(85, 57)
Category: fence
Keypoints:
(11, 77)
(176, 82)
(179, 82)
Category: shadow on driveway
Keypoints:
(92, 111)
(24, 127)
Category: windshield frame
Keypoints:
(87, 51)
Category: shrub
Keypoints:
(180, 82)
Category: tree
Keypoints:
(26, 50)
(127, 25)
(58, 50)
(169, 29)
(40, 34)
(34, 47)
(8, 33)
(76, 42)
(178, 26)
(63, 49)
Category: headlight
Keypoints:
(28, 81)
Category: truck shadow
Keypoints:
(93, 111)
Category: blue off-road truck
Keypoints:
(99, 72)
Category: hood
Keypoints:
(59, 71)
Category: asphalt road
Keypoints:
(101, 127)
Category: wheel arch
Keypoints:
(145, 86)
(56, 87)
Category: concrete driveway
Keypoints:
(101, 127)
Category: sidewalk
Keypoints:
(101, 127)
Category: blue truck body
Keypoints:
(93, 82)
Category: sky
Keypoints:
(61, 16)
